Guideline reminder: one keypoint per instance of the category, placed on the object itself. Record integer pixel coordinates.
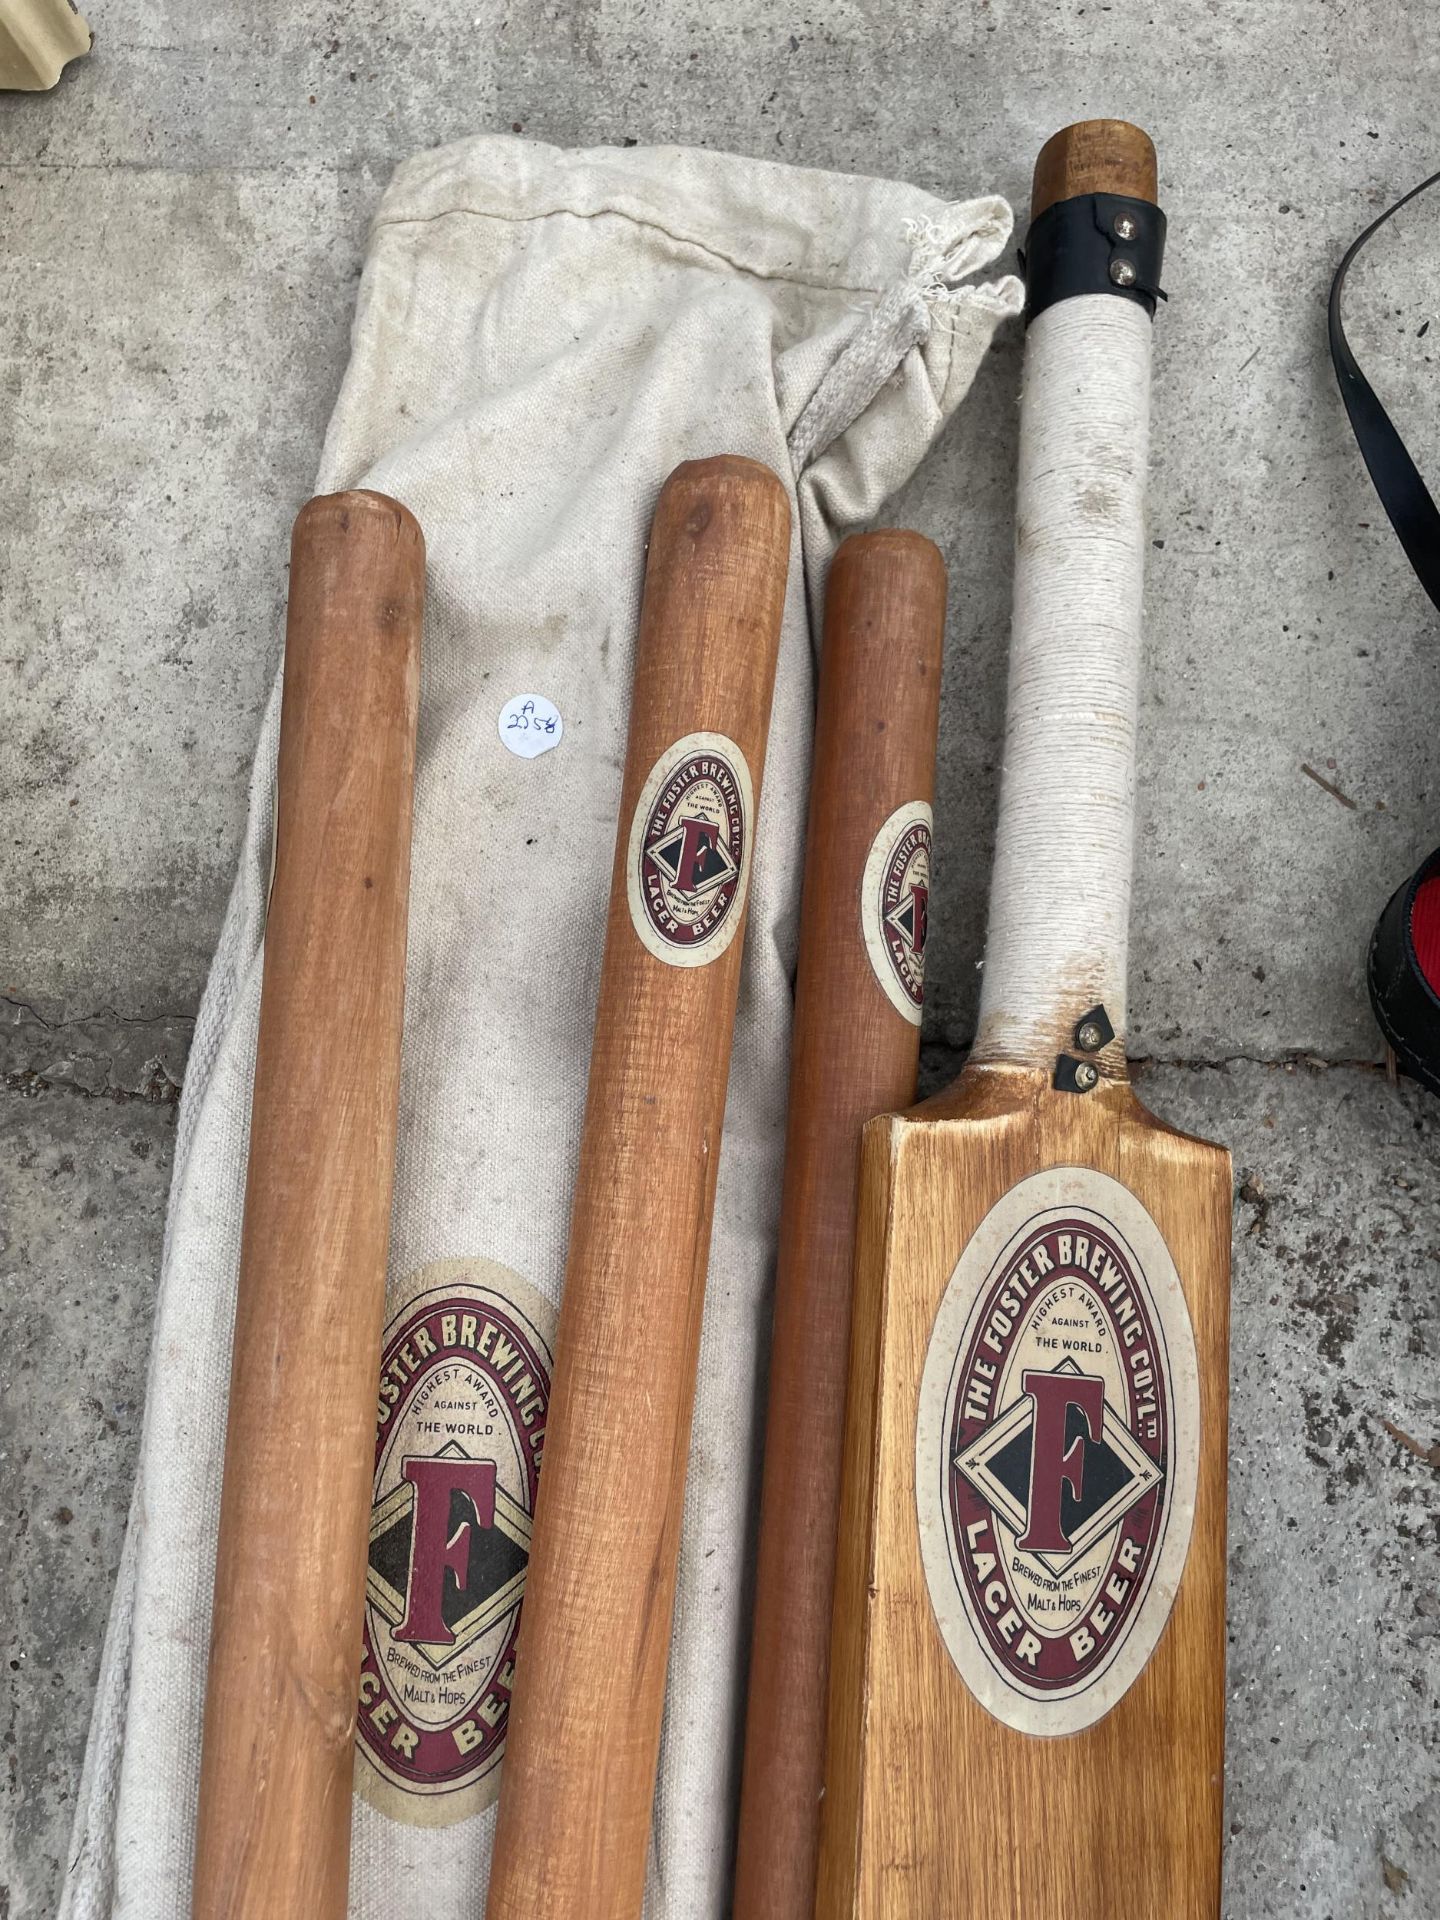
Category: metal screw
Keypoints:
(1122, 272)
(1089, 1038)
(1126, 226)
(1086, 1075)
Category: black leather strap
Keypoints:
(1403, 494)
(1406, 1006)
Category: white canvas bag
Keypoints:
(541, 336)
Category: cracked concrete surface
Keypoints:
(181, 225)
(106, 1055)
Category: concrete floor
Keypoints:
(181, 226)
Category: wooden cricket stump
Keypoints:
(583, 1739)
(854, 1052)
(281, 1698)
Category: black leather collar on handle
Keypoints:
(1094, 243)
(1402, 969)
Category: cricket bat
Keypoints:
(1026, 1714)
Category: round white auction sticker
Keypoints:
(529, 724)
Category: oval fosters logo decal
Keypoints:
(689, 852)
(1057, 1448)
(464, 1389)
(895, 906)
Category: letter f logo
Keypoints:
(1053, 1465)
(434, 1549)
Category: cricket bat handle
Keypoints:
(583, 1737)
(1060, 888)
(274, 1816)
(854, 1053)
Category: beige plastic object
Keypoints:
(38, 39)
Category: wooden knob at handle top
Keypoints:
(893, 577)
(582, 1741)
(273, 1833)
(1094, 156)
